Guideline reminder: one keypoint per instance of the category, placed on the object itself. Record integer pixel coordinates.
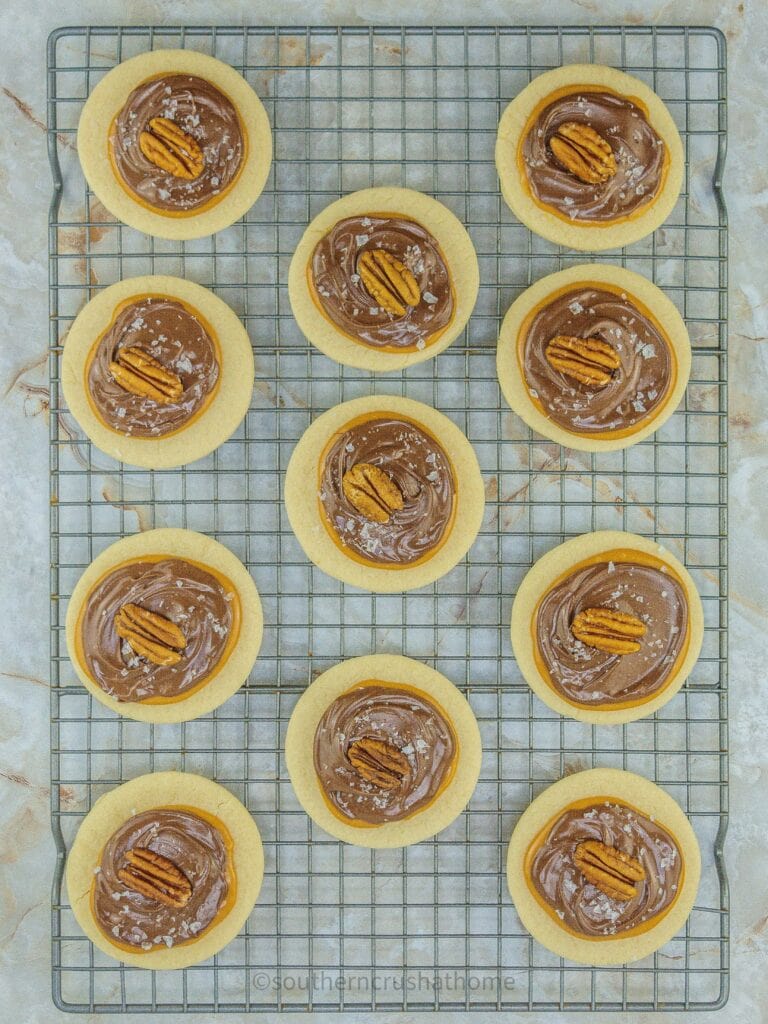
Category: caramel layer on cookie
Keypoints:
(196, 598)
(382, 752)
(177, 146)
(639, 156)
(383, 281)
(556, 878)
(415, 462)
(627, 581)
(635, 391)
(129, 900)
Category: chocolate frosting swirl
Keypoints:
(589, 676)
(405, 719)
(185, 594)
(636, 389)
(347, 303)
(637, 149)
(200, 110)
(419, 467)
(195, 846)
(175, 337)
(579, 904)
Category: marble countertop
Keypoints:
(26, 847)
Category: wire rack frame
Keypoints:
(432, 926)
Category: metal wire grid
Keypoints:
(431, 926)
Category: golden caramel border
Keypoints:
(619, 556)
(431, 340)
(230, 901)
(214, 199)
(569, 90)
(119, 308)
(539, 840)
(451, 767)
(229, 646)
(357, 421)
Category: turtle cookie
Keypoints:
(165, 870)
(607, 627)
(589, 157)
(175, 144)
(603, 867)
(398, 496)
(383, 278)
(164, 626)
(383, 751)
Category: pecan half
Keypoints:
(611, 870)
(150, 635)
(166, 146)
(590, 361)
(608, 630)
(374, 494)
(378, 762)
(583, 152)
(388, 281)
(140, 373)
(155, 876)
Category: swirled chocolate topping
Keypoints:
(182, 593)
(418, 467)
(172, 335)
(201, 112)
(382, 753)
(591, 676)
(195, 847)
(581, 905)
(637, 150)
(638, 385)
(340, 286)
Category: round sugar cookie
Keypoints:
(164, 790)
(217, 419)
(636, 289)
(594, 235)
(237, 658)
(107, 100)
(554, 566)
(308, 521)
(627, 788)
(455, 247)
(393, 669)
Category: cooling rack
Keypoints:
(432, 926)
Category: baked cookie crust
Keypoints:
(543, 575)
(388, 668)
(230, 676)
(306, 517)
(596, 236)
(157, 790)
(653, 802)
(206, 431)
(445, 228)
(107, 99)
(638, 289)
